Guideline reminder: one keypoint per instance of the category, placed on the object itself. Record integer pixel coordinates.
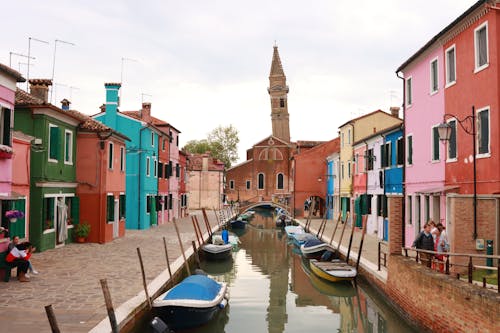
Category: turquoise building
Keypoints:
(141, 159)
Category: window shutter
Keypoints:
(6, 127)
(160, 170)
(435, 142)
(410, 150)
(452, 145)
(483, 130)
(54, 143)
(122, 205)
(170, 199)
(481, 44)
(382, 156)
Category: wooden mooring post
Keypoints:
(342, 233)
(144, 283)
(166, 256)
(335, 229)
(207, 221)
(109, 306)
(364, 225)
(52, 319)
(196, 231)
(196, 256)
(182, 247)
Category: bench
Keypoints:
(5, 270)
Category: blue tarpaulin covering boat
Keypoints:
(192, 302)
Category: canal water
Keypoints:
(272, 290)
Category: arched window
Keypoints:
(279, 181)
(261, 181)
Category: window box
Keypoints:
(5, 152)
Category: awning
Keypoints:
(440, 189)
(12, 196)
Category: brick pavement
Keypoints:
(69, 278)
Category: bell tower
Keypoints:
(278, 90)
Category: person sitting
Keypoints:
(15, 242)
(19, 257)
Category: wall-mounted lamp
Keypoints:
(320, 178)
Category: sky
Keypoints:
(205, 63)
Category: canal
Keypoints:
(272, 290)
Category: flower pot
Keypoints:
(13, 219)
(5, 155)
(80, 239)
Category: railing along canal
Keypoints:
(382, 254)
(446, 267)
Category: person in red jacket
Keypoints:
(19, 257)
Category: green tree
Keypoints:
(222, 142)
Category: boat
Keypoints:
(299, 239)
(338, 289)
(314, 248)
(233, 239)
(239, 223)
(293, 229)
(192, 302)
(283, 220)
(333, 271)
(217, 251)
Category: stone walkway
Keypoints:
(69, 278)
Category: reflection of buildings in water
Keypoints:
(267, 251)
(221, 270)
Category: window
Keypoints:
(349, 136)
(48, 213)
(349, 169)
(435, 144)
(68, 147)
(155, 164)
(152, 139)
(163, 144)
(280, 181)
(410, 210)
(110, 155)
(249, 184)
(177, 170)
(282, 102)
(481, 46)
(5, 115)
(342, 139)
(385, 153)
(370, 158)
(409, 95)
(427, 208)
(53, 143)
(261, 181)
(417, 210)
(170, 137)
(483, 131)
(177, 140)
(231, 184)
(148, 204)
(356, 164)
(381, 205)
(400, 151)
(110, 208)
(342, 170)
(451, 69)
(122, 206)
(147, 167)
(169, 169)
(409, 151)
(434, 76)
(122, 158)
(452, 143)
(170, 201)
(160, 170)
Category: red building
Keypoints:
(311, 175)
(183, 179)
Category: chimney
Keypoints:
(103, 108)
(40, 88)
(65, 104)
(112, 102)
(394, 111)
(146, 112)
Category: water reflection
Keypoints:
(273, 290)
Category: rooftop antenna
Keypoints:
(29, 54)
(24, 63)
(142, 96)
(54, 59)
(121, 74)
(19, 55)
(55, 88)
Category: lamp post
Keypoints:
(468, 124)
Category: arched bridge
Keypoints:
(244, 208)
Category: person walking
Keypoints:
(425, 241)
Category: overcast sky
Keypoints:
(206, 63)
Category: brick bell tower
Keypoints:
(278, 90)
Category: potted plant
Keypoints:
(5, 152)
(13, 215)
(81, 232)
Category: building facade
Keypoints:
(205, 182)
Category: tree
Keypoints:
(222, 142)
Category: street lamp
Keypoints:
(468, 124)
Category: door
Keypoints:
(436, 211)
(116, 220)
(61, 221)
(18, 228)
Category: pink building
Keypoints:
(425, 155)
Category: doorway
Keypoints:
(116, 220)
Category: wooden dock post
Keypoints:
(342, 233)
(196, 256)
(207, 221)
(361, 243)
(335, 230)
(52, 319)
(144, 283)
(109, 306)
(350, 243)
(182, 247)
(196, 231)
(166, 255)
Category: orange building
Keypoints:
(100, 173)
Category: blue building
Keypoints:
(141, 158)
(330, 188)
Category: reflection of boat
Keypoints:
(293, 229)
(219, 267)
(333, 271)
(283, 220)
(313, 248)
(339, 289)
(299, 239)
(192, 302)
(217, 251)
(238, 223)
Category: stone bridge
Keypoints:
(250, 205)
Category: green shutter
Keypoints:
(18, 228)
(54, 143)
(122, 205)
(110, 209)
(75, 210)
(152, 214)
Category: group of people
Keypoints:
(433, 238)
(19, 256)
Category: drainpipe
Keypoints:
(403, 224)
